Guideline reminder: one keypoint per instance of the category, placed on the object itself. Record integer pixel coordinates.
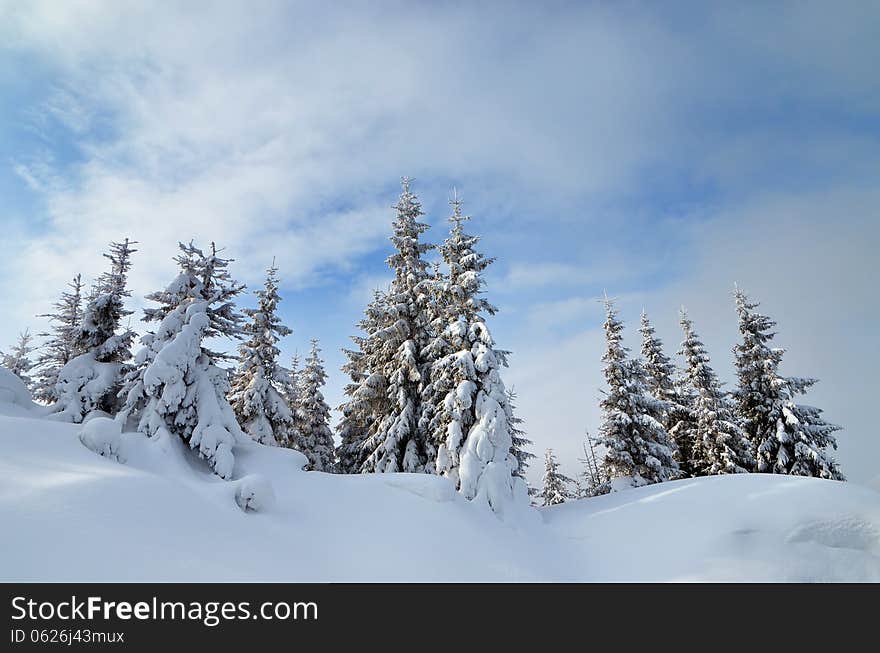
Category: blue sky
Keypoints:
(659, 151)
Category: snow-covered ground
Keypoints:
(68, 514)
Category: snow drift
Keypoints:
(151, 510)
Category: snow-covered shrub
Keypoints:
(13, 390)
(85, 385)
(254, 493)
(103, 435)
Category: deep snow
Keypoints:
(69, 514)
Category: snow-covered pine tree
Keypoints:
(289, 384)
(472, 426)
(637, 447)
(395, 443)
(458, 305)
(366, 393)
(438, 312)
(176, 389)
(91, 381)
(787, 438)
(661, 377)
(258, 385)
(555, 488)
(59, 348)
(478, 452)
(591, 482)
(719, 444)
(18, 360)
(105, 309)
(519, 440)
(315, 437)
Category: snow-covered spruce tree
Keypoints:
(288, 385)
(92, 379)
(176, 389)
(18, 360)
(663, 384)
(105, 309)
(458, 305)
(366, 396)
(394, 442)
(591, 482)
(438, 313)
(258, 385)
(637, 447)
(519, 440)
(315, 438)
(479, 455)
(555, 488)
(787, 438)
(719, 444)
(59, 348)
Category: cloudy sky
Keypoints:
(659, 151)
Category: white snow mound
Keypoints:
(14, 396)
(153, 511)
(254, 493)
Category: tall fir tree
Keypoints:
(395, 442)
(101, 330)
(289, 384)
(176, 389)
(555, 485)
(92, 379)
(591, 481)
(59, 348)
(663, 384)
(366, 393)
(520, 442)
(257, 394)
(18, 360)
(719, 445)
(788, 438)
(315, 436)
(459, 304)
(473, 427)
(637, 446)
(479, 456)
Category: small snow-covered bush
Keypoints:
(254, 493)
(102, 435)
(13, 390)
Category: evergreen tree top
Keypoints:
(407, 261)
(114, 281)
(18, 360)
(313, 372)
(752, 323)
(615, 351)
(68, 309)
(202, 277)
(658, 366)
(466, 266)
(694, 351)
(265, 315)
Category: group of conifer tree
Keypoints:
(425, 393)
(661, 422)
(175, 384)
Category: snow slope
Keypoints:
(68, 514)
